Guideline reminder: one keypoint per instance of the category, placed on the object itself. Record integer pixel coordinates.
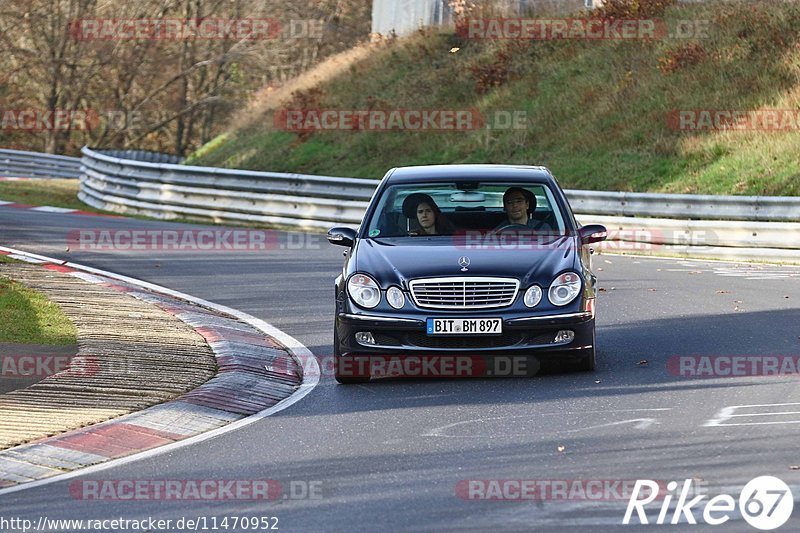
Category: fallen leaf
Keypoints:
(723, 292)
(651, 289)
(562, 448)
(454, 49)
(696, 272)
(642, 362)
(602, 289)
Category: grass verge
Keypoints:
(52, 192)
(600, 113)
(28, 317)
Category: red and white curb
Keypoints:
(246, 389)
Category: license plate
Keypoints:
(465, 326)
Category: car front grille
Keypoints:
(464, 292)
(508, 339)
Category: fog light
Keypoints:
(564, 336)
(365, 338)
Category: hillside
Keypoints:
(600, 113)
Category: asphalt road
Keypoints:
(389, 455)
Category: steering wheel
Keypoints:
(515, 227)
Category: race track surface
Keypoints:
(396, 454)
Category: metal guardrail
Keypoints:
(686, 206)
(145, 155)
(18, 163)
(165, 190)
(769, 225)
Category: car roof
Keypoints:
(433, 173)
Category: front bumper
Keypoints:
(522, 335)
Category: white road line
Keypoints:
(439, 431)
(771, 414)
(26, 258)
(311, 374)
(50, 209)
(753, 273)
(88, 277)
(729, 412)
(758, 423)
(642, 423)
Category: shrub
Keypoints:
(628, 9)
(687, 55)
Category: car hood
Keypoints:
(393, 261)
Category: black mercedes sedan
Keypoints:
(483, 262)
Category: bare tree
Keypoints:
(170, 94)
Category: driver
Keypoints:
(429, 217)
(519, 203)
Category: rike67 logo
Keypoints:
(765, 503)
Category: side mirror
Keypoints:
(341, 236)
(592, 233)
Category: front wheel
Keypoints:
(589, 361)
(587, 364)
(344, 373)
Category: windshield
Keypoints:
(431, 209)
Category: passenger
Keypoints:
(519, 205)
(429, 217)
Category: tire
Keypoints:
(589, 362)
(343, 379)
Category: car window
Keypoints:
(436, 209)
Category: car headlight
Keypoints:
(364, 290)
(395, 297)
(533, 296)
(564, 288)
